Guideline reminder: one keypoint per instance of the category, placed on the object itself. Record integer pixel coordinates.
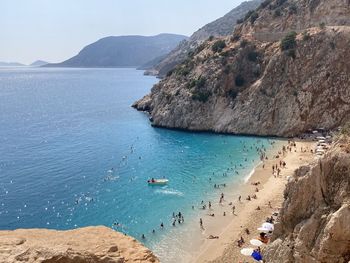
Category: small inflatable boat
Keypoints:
(158, 181)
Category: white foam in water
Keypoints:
(246, 179)
(169, 192)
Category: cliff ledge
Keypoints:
(83, 245)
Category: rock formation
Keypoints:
(250, 83)
(315, 218)
(218, 28)
(84, 245)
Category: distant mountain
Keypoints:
(122, 51)
(11, 64)
(38, 63)
(221, 27)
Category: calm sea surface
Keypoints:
(74, 153)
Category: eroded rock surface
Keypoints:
(84, 245)
(250, 86)
(315, 218)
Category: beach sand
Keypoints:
(231, 227)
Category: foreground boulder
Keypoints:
(315, 218)
(84, 245)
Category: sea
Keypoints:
(74, 153)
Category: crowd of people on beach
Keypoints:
(178, 218)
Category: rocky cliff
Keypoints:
(84, 245)
(250, 83)
(315, 218)
(223, 26)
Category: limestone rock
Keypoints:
(84, 245)
(250, 86)
(314, 222)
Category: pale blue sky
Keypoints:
(55, 30)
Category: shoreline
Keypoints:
(229, 228)
(191, 237)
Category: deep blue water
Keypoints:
(62, 130)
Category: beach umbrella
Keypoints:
(256, 255)
(256, 242)
(247, 251)
(320, 138)
(268, 226)
(263, 229)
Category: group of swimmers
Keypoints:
(176, 218)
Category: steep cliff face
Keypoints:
(285, 15)
(84, 245)
(221, 27)
(252, 87)
(314, 221)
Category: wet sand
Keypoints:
(231, 227)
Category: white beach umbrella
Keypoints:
(320, 138)
(320, 151)
(268, 226)
(256, 242)
(247, 251)
(263, 229)
(321, 141)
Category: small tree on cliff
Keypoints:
(289, 41)
(218, 46)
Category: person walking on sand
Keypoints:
(239, 198)
(201, 223)
(233, 210)
(209, 205)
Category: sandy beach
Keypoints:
(231, 227)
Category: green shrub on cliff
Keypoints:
(200, 82)
(306, 36)
(233, 93)
(248, 14)
(254, 17)
(218, 46)
(239, 21)
(253, 56)
(264, 4)
(239, 81)
(289, 41)
(201, 96)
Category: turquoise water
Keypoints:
(63, 130)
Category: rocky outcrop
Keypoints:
(244, 85)
(286, 15)
(314, 221)
(84, 245)
(221, 27)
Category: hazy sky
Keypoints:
(54, 30)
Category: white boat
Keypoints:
(158, 181)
